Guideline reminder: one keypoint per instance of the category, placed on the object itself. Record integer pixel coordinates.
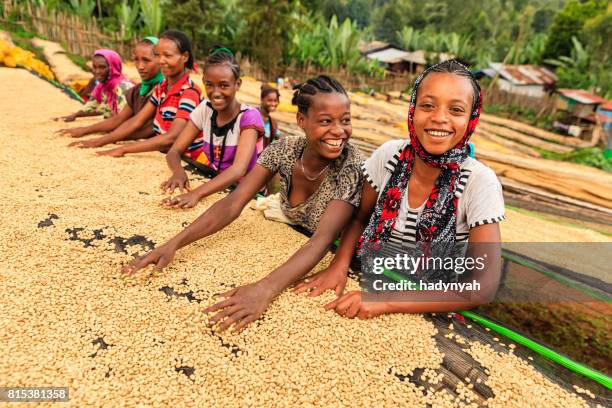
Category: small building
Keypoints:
(393, 58)
(578, 108)
(368, 47)
(529, 80)
(579, 103)
(604, 120)
(398, 60)
(420, 59)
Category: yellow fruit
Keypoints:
(4, 46)
(9, 61)
(22, 57)
(401, 125)
(286, 107)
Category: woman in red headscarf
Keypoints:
(108, 97)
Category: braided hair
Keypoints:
(304, 92)
(223, 56)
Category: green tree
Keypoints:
(192, 17)
(358, 11)
(265, 34)
(573, 71)
(389, 19)
(597, 34)
(568, 23)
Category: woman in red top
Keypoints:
(169, 106)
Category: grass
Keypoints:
(79, 60)
(589, 156)
(570, 328)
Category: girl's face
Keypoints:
(270, 102)
(327, 124)
(100, 68)
(170, 59)
(221, 86)
(145, 61)
(442, 113)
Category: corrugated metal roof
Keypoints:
(394, 55)
(418, 57)
(364, 47)
(604, 113)
(606, 106)
(582, 96)
(525, 74)
(389, 55)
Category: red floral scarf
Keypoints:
(438, 220)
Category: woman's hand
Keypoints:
(116, 152)
(178, 180)
(333, 277)
(74, 132)
(241, 306)
(187, 200)
(67, 118)
(160, 256)
(351, 305)
(86, 144)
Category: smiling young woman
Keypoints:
(320, 187)
(269, 100)
(222, 134)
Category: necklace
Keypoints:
(304, 170)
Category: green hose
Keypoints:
(542, 350)
(527, 342)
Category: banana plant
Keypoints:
(83, 8)
(127, 14)
(410, 39)
(435, 42)
(330, 45)
(534, 49)
(482, 59)
(459, 46)
(342, 43)
(152, 15)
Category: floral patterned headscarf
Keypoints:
(115, 77)
(438, 220)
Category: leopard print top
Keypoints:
(343, 179)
